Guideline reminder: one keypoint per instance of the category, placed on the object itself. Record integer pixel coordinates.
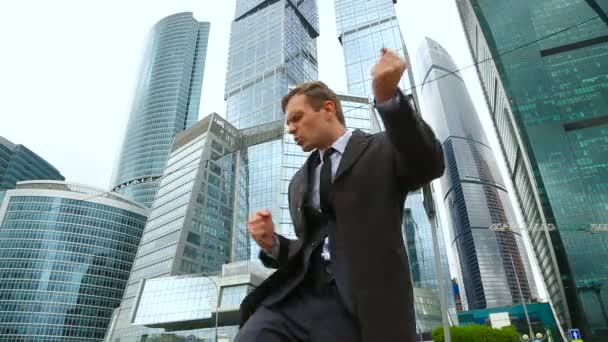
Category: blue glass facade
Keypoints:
(272, 47)
(493, 264)
(18, 163)
(364, 28)
(65, 256)
(166, 102)
(548, 102)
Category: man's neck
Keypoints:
(335, 136)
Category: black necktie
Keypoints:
(325, 181)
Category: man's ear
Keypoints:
(330, 108)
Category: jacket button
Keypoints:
(312, 245)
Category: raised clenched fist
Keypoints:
(386, 74)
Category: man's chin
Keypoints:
(307, 148)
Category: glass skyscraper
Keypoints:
(190, 227)
(548, 102)
(364, 28)
(65, 255)
(18, 163)
(272, 48)
(166, 102)
(493, 265)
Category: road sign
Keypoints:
(575, 334)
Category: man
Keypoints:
(346, 277)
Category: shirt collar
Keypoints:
(340, 144)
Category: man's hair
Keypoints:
(316, 93)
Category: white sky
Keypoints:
(68, 70)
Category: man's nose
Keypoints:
(291, 128)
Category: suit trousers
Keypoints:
(306, 314)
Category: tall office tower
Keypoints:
(421, 255)
(364, 28)
(548, 102)
(18, 163)
(190, 227)
(272, 48)
(166, 102)
(65, 255)
(493, 264)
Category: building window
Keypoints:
(234, 295)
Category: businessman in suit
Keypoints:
(346, 276)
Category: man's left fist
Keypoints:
(386, 75)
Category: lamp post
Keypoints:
(429, 207)
(217, 303)
(520, 294)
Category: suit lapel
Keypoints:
(356, 145)
(300, 185)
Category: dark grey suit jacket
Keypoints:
(368, 194)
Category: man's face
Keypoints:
(309, 127)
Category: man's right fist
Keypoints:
(261, 228)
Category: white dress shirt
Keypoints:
(339, 145)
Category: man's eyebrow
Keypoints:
(294, 113)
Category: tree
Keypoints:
(478, 333)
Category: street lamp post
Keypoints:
(429, 207)
(521, 296)
(217, 304)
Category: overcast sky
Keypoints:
(68, 70)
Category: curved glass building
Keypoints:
(66, 251)
(166, 102)
(493, 264)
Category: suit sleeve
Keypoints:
(283, 250)
(417, 154)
